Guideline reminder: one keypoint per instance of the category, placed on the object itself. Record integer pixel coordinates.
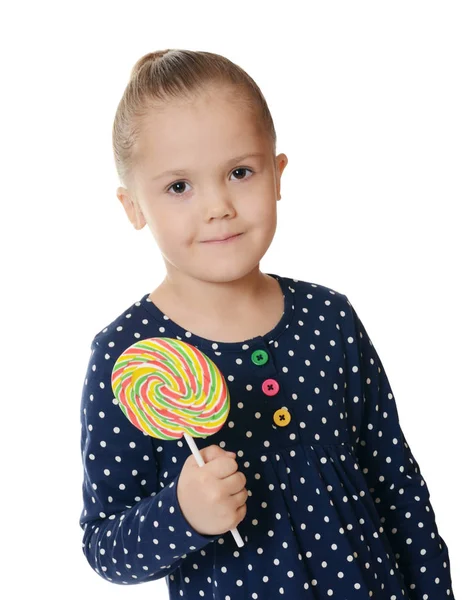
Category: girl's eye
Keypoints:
(179, 183)
(175, 184)
(242, 169)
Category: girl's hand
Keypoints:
(212, 497)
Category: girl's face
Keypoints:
(215, 193)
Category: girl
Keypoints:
(321, 484)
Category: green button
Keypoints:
(259, 357)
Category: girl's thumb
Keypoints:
(211, 452)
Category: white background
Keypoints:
(371, 103)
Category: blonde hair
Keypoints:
(163, 75)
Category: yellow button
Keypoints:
(282, 417)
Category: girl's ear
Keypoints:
(131, 207)
(281, 162)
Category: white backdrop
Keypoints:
(371, 103)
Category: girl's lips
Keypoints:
(234, 237)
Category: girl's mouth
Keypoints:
(227, 240)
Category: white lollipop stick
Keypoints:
(200, 461)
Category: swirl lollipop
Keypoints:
(169, 389)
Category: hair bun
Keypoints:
(147, 58)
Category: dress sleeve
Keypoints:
(133, 531)
(395, 482)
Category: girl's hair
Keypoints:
(164, 75)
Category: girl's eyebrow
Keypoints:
(231, 161)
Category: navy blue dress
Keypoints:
(337, 505)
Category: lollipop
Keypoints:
(169, 389)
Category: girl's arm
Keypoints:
(134, 530)
(397, 486)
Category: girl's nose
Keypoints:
(217, 205)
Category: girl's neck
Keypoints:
(225, 312)
(216, 298)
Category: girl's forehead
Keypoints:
(196, 126)
(209, 98)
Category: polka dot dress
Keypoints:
(337, 505)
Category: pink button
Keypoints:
(270, 387)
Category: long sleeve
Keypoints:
(395, 482)
(133, 531)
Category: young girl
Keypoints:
(321, 483)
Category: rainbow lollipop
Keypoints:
(169, 389)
